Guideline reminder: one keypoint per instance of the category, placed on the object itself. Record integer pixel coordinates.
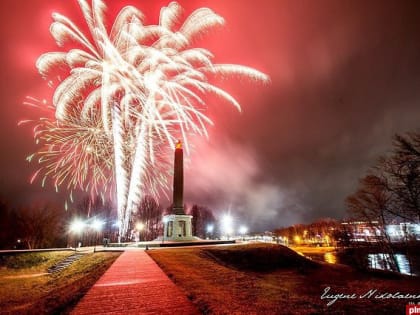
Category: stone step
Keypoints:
(64, 263)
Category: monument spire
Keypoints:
(178, 189)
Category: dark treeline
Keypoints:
(32, 227)
(48, 226)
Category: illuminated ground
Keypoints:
(27, 288)
(234, 279)
(269, 279)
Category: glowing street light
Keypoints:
(243, 230)
(97, 226)
(77, 226)
(227, 225)
(117, 225)
(210, 229)
(139, 228)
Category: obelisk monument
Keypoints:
(177, 225)
(178, 191)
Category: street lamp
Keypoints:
(209, 229)
(139, 228)
(117, 225)
(227, 225)
(97, 226)
(243, 230)
(77, 227)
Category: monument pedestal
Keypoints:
(177, 227)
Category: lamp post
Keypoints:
(97, 226)
(209, 229)
(77, 227)
(116, 235)
(243, 230)
(139, 228)
(227, 225)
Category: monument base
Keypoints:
(177, 227)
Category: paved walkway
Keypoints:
(134, 284)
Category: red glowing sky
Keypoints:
(345, 77)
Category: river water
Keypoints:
(375, 261)
(383, 262)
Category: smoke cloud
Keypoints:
(228, 178)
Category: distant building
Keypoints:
(360, 231)
(403, 231)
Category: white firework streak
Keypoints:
(146, 82)
(120, 176)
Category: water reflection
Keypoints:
(383, 262)
(330, 258)
(375, 261)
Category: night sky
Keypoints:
(345, 77)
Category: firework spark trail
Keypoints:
(73, 151)
(121, 184)
(134, 90)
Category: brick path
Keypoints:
(134, 284)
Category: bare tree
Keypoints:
(401, 176)
(41, 227)
(391, 191)
(149, 214)
(202, 217)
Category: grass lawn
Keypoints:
(25, 288)
(271, 279)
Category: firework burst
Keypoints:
(128, 95)
(76, 152)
